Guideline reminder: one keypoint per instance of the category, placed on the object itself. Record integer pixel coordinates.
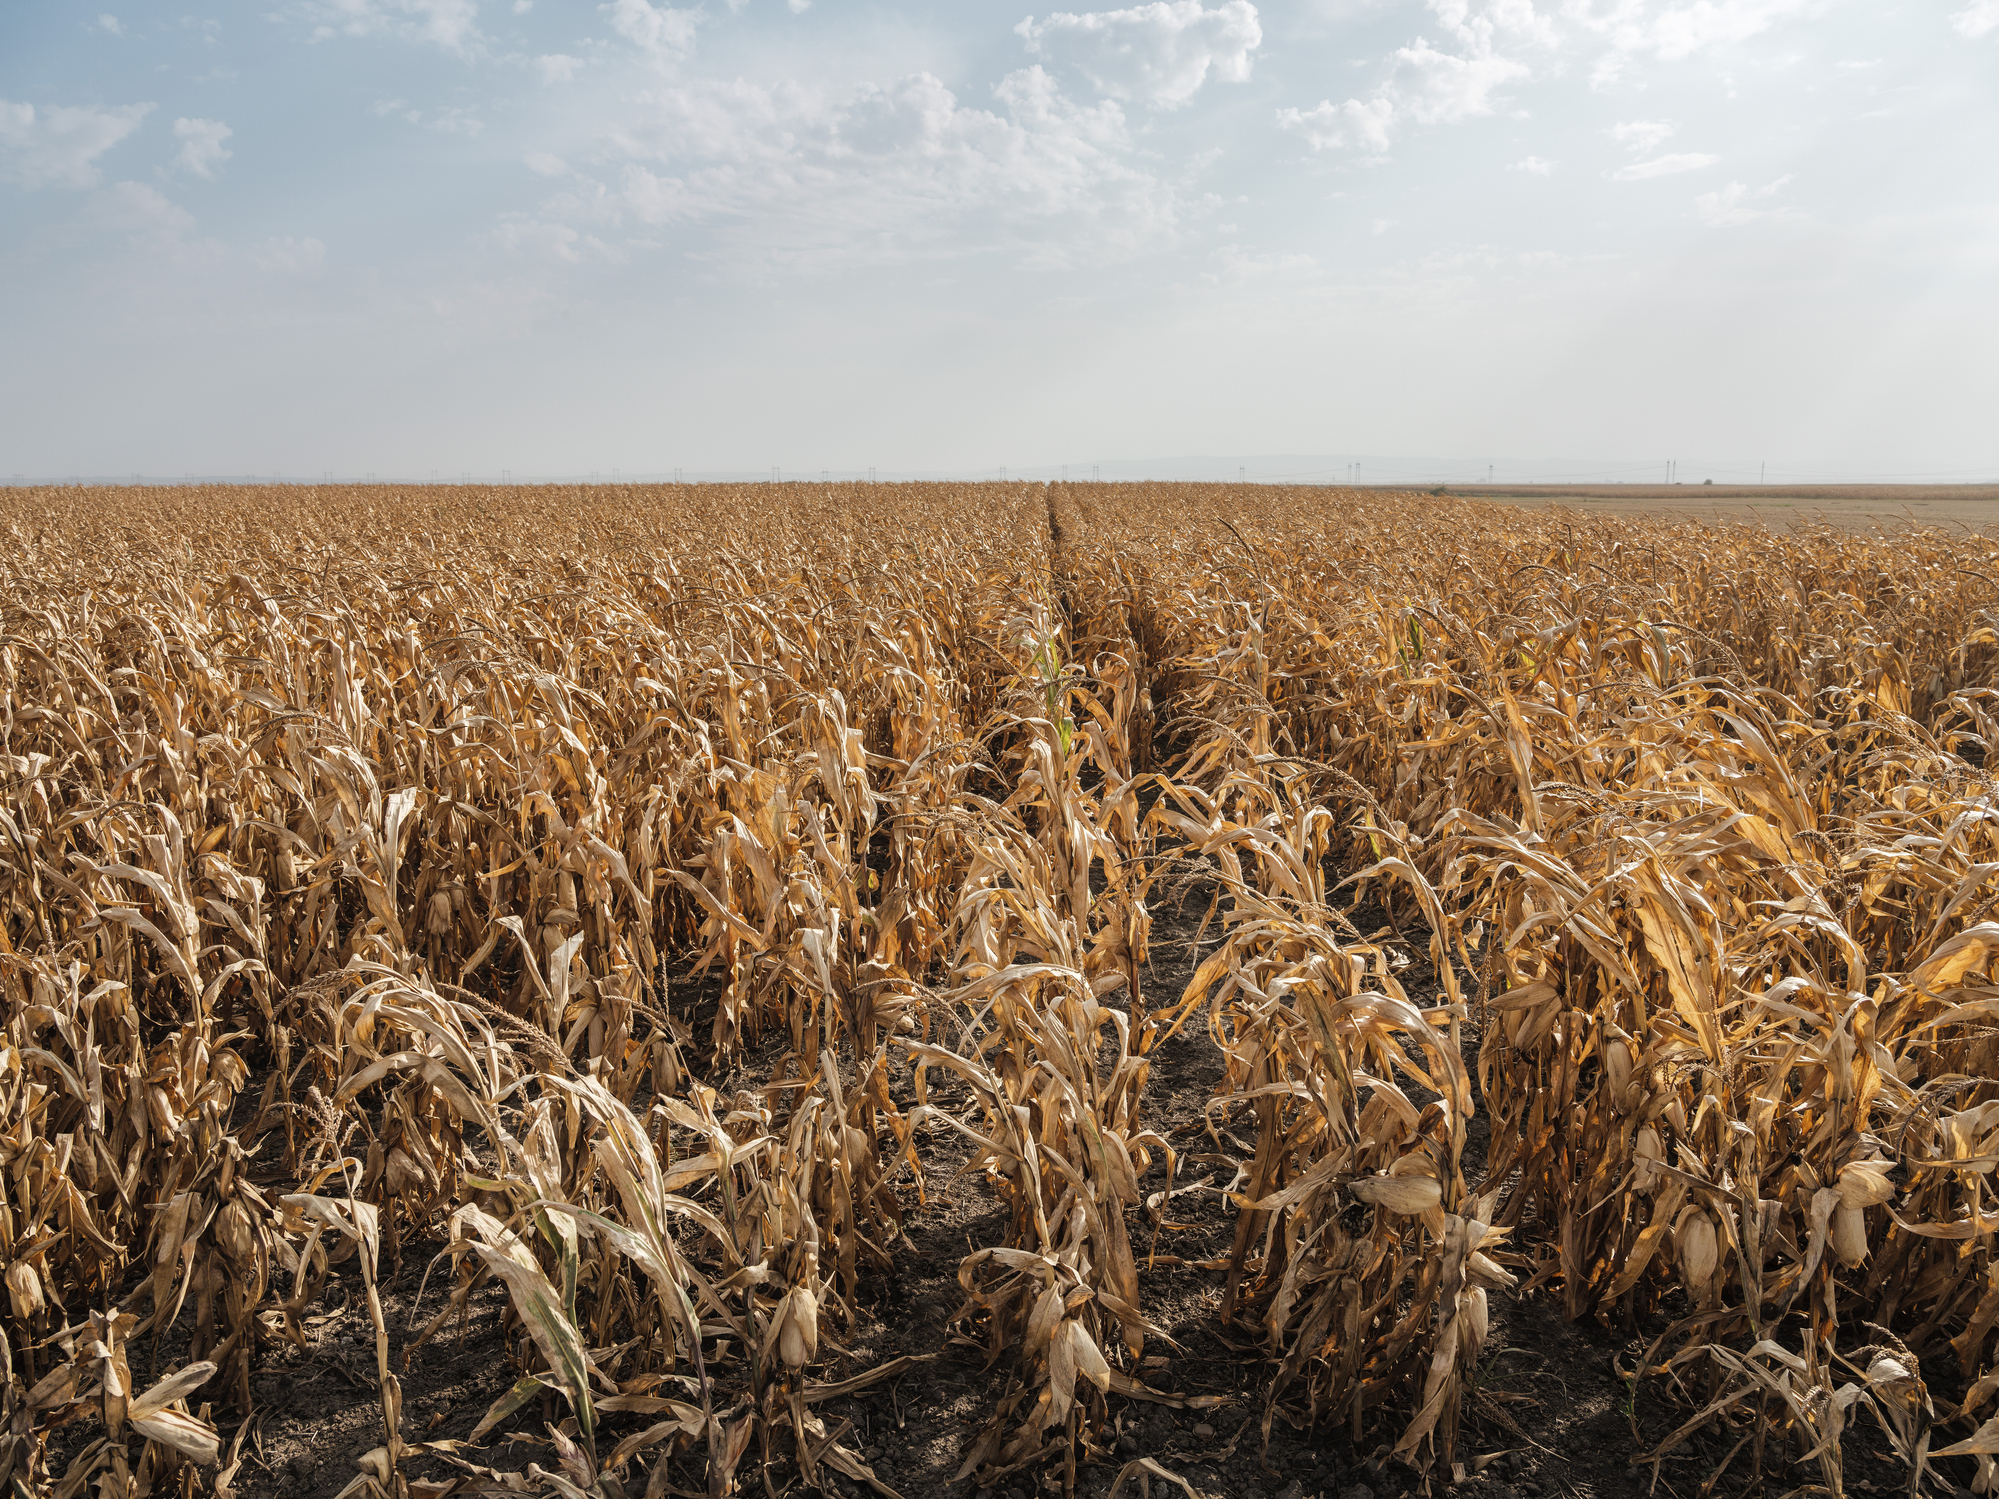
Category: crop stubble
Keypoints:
(624, 903)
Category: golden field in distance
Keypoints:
(1851, 507)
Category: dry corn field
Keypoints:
(989, 989)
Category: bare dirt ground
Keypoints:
(1551, 1417)
(1851, 507)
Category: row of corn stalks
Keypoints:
(1701, 820)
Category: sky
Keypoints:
(556, 237)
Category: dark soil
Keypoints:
(1549, 1419)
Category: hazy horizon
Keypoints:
(1312, 469)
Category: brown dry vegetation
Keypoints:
(366, 856)
(1866, 508)
(1882, 499)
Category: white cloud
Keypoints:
(1486, 25)
(1380, 226)
(522, 7)
(1432, 85)
(1683, 30)
(1639, 136)
(109, 25)
(666, 34)
(1664, 166)
(786, 175)
(1736, 204)
(1484, 45)
(450, 24)
(295, 257)
(799, 7)
(1608, 69)
(557, 67)
(1452, 88)
(59, 146)
(1428, 86)
(1159, 53)
(201, 146)
(547, 163)
(1362, 123)
(1976, 18)
(141, 211)
(1672, 33)
(1535, 166)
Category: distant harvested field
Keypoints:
(1848, 506)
